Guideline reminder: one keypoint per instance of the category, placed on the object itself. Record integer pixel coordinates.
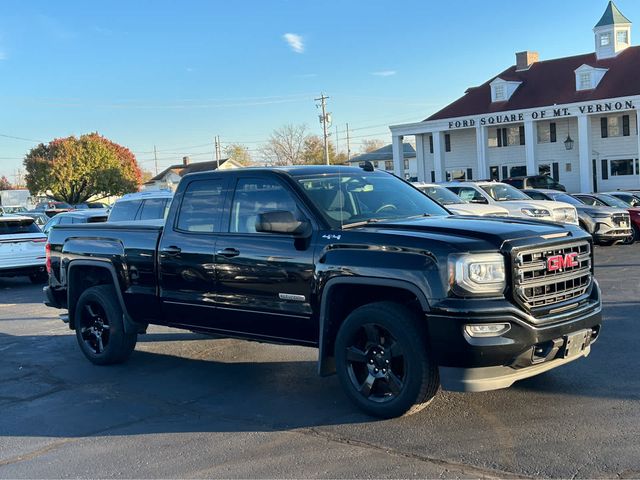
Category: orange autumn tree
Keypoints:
(75, 169)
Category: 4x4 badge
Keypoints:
(332, 236)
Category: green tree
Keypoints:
(5, 184)
(238, 153)
(75, 169)
(313, 153)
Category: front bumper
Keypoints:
(527, 349)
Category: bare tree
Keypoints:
(285, 146)
(369, 145)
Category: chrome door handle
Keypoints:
(228, 252)
(171, 251)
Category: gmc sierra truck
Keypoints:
(399, 296)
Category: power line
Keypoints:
(324, 119)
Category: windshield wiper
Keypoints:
(376, 220)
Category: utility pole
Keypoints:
(337, 142)
(155, 158)
(216, 141)
(325, 118)
(348, 145)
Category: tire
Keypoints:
(99, 324)
(39, 278)
(398, 379)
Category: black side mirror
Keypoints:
(282, 222)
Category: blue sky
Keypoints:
(175, 74)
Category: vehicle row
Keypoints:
(612, 217)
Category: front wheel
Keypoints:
(382, 360)
(100, 330)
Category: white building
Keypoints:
(574, 118)
(382, 158)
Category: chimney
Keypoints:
(185, 161)
(524, 60)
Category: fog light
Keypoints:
(487, 329)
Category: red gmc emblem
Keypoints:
(559, 262)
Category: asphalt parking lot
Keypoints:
(188, 406)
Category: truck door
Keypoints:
(264, 279)
(186, 252)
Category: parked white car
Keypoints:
(456, 205)
(22, 248)
(517, 203)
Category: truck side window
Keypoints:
(124, 210)
(201, 206)
(254, 196)
(153, 208)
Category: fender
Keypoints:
(129, 325)
(326, 361)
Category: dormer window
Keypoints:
(585, 81)
(501, 90)
(588, 77)
(605, 39)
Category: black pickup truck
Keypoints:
(399, 296)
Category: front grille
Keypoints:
(620, 218)
(536, 286)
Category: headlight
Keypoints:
(477, 274)
(536, 212)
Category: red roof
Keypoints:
(551, 82)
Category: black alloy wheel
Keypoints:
(376, 363)
(94, 327)
(383, 360)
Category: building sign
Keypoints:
(542, 114)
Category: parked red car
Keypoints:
(611, 201)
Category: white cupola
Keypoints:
(612, 33)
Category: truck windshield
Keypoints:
(442, 195)
(566, 198)
(351, 199)
(501, 192)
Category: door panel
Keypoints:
(186, 255)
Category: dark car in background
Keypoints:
(630, 198)
(85, 205)
(603, 199)
(89, 215)
(535, 181)
(52, 208)
(607, 225)
(152, 205)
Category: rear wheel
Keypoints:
(382, 360)
(99, 324)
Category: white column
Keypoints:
(584, 150)
(398, 155)
(481, 153)
(638, 135)
(530, 147)
(420, 158)
(438, 155)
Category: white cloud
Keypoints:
(295, 42)
(384, 73)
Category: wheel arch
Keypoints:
(96, 273)
(357, 291)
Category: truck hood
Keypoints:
(546, 204)
(489, 229)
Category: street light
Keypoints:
(568, 143)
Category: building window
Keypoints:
(406, 164)
(518, 171)
(585, 81)
(498, 93)
(456, 175)
(623, 36)
(430, 143)
(388, 164)
(447, 142)
(615, 126)
(605, 40)
(506, 137)
(621, 167)
(547, 132)
(494, 173)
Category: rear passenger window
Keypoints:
(201, 206)
(153, 208)
(124, 211)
